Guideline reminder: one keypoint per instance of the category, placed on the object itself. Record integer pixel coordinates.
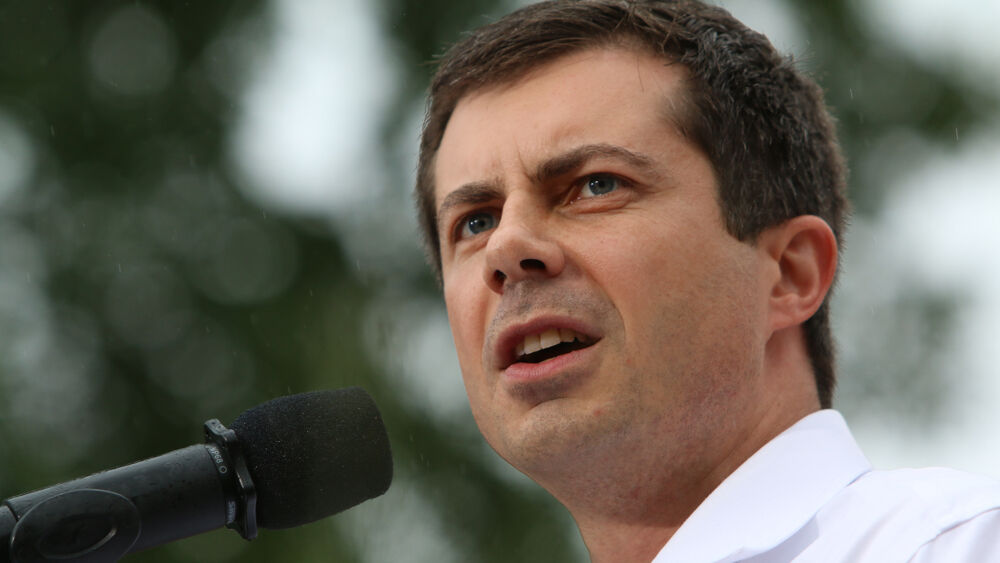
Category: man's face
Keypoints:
(574, 218)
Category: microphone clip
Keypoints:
(241, 494)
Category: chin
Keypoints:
(559, 433)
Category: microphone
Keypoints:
(284, 463)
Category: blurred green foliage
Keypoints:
(142, 293)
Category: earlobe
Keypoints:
(804, 249)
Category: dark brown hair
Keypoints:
(762, 124)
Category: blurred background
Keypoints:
(204, 205)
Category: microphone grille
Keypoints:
(314, 454)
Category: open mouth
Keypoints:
(536, 348)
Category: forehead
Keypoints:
(600, 95)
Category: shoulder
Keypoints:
(936, 494)
(893, 515)
(975, 539)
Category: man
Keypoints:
(634, 209)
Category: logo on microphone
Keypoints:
(220, 462)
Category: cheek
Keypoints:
(463, 329)
(466, 304)
(468, 337)
(681, 292)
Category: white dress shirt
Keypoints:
(810, 495)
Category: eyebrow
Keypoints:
(474, 193)
(574, 159)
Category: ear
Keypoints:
(804, 250)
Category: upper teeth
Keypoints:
(535, 342)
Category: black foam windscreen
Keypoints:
(314, 454)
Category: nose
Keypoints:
(521, 247)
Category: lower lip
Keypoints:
(563, 364)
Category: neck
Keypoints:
(636, 524)
(630, 519)
(628, 505)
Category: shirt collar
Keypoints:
(773, 494)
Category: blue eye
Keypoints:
(599, 184)
(477, 223)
